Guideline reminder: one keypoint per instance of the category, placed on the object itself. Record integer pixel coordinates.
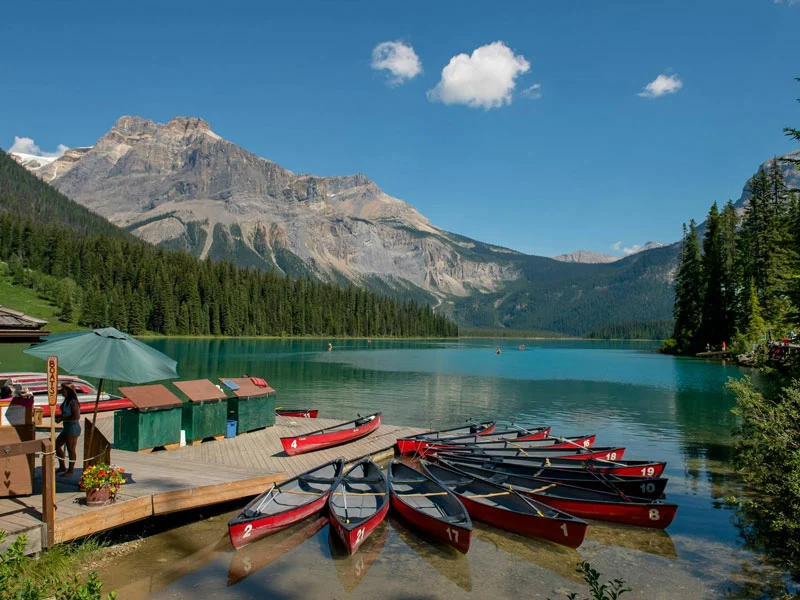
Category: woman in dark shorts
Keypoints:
(71, 418)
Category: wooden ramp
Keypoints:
(186, 478)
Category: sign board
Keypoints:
(52, 380)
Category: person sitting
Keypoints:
(71, 418)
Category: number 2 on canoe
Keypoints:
(564, 529)
(294, 443)
(452, 534)
(247, 531)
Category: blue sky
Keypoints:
(581, 161)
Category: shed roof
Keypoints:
(200, 390)
(247, 388)
(147, 397)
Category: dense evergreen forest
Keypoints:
(104, 276)
(645, 330)
(743, 279)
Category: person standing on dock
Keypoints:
(71, 417)
(724, 346)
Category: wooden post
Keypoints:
(49, 467)
(49, 490)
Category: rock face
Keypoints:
(182, 186)
(789, 164)
(179, 184)
(586, 257)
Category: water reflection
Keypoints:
(350, 569)
(258, 555)
(448, 561)
(553, 557)
(643, 539)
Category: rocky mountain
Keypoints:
(586, 256)
(182, 186)
(789, 166)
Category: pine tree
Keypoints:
(713, 328)
(731, 273)
(688, 292)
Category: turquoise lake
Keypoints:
(658, 407)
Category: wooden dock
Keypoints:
(186, 478)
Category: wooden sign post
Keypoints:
(52, 400)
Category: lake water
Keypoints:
(658, 407)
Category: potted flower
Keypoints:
(101, 483)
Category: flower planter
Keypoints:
(99, 497)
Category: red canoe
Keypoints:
(299, 413)
(87, 408)
(429, 506)
(623, 468)
(284, 505)
(413, 444)
(602, 453)
(331, 436)
(506, 509)
(358, 504)
(581, 502)
(651, 487)
(586, 441)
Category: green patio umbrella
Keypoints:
(107, 354)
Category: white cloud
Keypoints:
(787, 2)
(26, 145)
(661, 85)
(533, 92)
(633, 249)
(617, 246)
(486, 79)
(397, 58)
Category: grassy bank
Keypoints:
(23, 299)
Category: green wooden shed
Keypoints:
(154, 422)
(205, 413)
(252, 405)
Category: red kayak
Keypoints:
(622, 468)
(429, 506)
(331, 436)
(581, 502)
(358, 503)
(607, 453)
(285, 504)
(413, 444)
(586, 441)
(506, 509)
(298, 413)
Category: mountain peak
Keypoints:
(586, 256)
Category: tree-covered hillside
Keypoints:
(575, 298)
(94, 270)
